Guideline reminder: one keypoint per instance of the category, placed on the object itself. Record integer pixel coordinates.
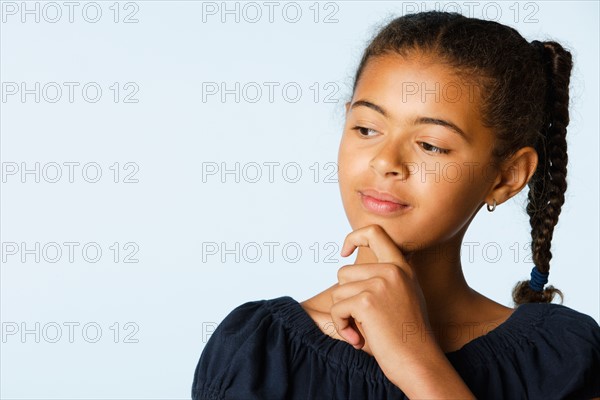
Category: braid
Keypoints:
(548, 184)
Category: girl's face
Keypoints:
(399, 138)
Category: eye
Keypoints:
(434, 149)
(362, 131)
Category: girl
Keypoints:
(434, 92)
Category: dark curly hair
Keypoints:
(525, 101)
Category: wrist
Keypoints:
(429, 375)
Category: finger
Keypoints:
(348, 290)
(359, 274)
(352, 333)
(344, 323)
(377, 239)
(360, 342)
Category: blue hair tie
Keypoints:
(538, 280)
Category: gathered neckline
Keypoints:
(305, 329)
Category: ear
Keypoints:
(513, 175)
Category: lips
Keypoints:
(383, 196)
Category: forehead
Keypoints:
(419, 84)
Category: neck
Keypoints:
(440, 275)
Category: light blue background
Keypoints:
(172, 295)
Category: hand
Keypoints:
(384, 300)
(383, 304)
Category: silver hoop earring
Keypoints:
(493, 207)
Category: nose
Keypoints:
(388, 162)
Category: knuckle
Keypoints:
(366, 300)
(393, 272)
(335, 297)
(333, 311)
(374, 228)
(341, 273)
(378, 284)
(390, 269)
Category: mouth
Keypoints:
(382, 203)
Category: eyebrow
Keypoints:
(418, 120)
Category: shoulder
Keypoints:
(565, 350)
(549, 326)
(543, 350)
(569, 327)
(560, 311)
(237, 350)
(554, 333)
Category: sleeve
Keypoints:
(245, 357)
(580, 356)
(556, 359)
(566, 361)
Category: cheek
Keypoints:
(451, 202)
(350, 163)
(450, 187)
(352, 166)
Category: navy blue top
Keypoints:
(272, 349)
